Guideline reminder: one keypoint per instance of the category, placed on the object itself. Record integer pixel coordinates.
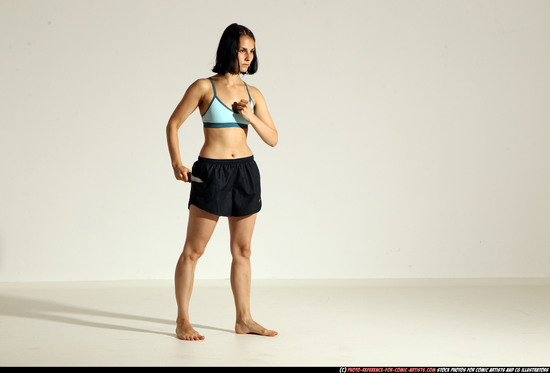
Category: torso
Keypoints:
(224, 143)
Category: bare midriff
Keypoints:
(225, 143)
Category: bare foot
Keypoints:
(252, 327)
(185, 331)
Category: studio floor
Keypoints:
(415, 322)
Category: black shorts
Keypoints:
(230, 187)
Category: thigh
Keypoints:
(241, 229)
(213, 194)
(247, 194)
(200, 226)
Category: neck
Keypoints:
(231, 79)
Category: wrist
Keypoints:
(253, 119)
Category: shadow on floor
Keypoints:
(41, 309)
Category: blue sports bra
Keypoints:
(219, 115)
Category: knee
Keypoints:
(241, 250)
(193, 250)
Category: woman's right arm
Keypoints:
(185, 108)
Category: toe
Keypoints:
(269, 333)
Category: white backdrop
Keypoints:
(413, 137)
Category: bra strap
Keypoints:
(246, 85)
(214, 87)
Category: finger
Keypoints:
(181, 176)
(241, 106)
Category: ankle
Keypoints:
(244, 318)
(183, 321)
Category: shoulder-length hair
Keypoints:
(226, 55)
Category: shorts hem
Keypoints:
(255, 211)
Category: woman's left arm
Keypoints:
(260, 119)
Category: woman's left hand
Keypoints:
(243, 107)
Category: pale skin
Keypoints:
(220, 143)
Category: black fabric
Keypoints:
(230, 187)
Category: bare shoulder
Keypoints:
(200, 85)
(256, 94)
(199, 90)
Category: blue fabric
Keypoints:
(219, 115)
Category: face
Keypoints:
(245, 52)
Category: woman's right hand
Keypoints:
(181, 172)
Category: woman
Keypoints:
(225, 180)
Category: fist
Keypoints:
(243, 107)
(182, 173)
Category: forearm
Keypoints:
(268, 134)
(173, 143)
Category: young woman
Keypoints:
(225, 180)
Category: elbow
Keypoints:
(172, 126)
(274, 141)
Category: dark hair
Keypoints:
(226, 55)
